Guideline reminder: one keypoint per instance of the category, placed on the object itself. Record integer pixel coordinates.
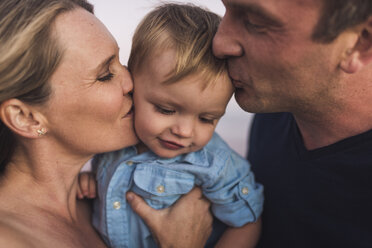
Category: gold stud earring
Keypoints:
(41, 131)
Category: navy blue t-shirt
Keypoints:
(317, 198)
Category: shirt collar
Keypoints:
(196, 158)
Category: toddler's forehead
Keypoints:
(206, 79)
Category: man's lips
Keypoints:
(170, 145)
(237, 83)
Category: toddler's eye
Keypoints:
(206, 120)
(165, 111)
(106, 77)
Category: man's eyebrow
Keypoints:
(258, 11)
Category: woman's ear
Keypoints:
(360, 54)
(21, 118)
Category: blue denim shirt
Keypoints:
(224, 177)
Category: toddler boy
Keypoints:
(180, 92)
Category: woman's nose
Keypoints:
(225, 42)
(127, 81)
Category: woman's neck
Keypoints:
(43, 182)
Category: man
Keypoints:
(308, 66)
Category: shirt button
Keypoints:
(160, 189)
(117, 205)
(129, 163)
(245, 191)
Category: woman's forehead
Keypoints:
(84, 39)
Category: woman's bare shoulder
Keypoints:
(42, 229)
(12, 237)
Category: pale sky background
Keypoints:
(121, 18)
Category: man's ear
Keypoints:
(360, 54)
(21, 118)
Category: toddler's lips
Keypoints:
(170, 145)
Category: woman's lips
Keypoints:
(129, 114)
(170, 145)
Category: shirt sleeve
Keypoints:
(236, 198)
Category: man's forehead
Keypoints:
(278, 13)
(268, 4)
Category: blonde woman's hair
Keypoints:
(29, 55)
(187, 29)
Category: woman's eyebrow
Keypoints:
(105, 63)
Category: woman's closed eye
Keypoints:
(106, 77)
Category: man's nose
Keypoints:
(225, 42)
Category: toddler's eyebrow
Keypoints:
(216, 114)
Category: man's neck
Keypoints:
(321, 132)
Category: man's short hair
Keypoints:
(339, 15)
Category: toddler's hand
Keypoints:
(86, 185)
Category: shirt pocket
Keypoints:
(160, 186)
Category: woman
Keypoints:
(64, 96)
